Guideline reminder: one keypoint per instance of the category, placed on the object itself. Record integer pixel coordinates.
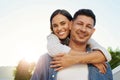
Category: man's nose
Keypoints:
(83, 28)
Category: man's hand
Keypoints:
(102, 67)
(61, 61)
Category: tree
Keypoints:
(115, 57)
(24, 70)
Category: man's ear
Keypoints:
(93, 30)
(71, 23)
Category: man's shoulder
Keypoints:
(45, 56)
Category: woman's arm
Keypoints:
(95, 46)
(55, 47)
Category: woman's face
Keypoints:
(60, 25)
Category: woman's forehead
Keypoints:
(59, 18)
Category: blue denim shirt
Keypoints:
(44, 72)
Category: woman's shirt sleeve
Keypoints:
(54, 46)
(95, 46)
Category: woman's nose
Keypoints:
(59, 27)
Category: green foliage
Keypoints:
(24, 70)
(115, 57)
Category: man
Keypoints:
(82, 29)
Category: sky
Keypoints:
(24, 26)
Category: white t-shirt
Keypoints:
(75, 72)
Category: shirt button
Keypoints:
(53, 76)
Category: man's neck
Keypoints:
(78, 46)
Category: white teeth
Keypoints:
(61, 33)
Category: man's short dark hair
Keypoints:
(86, 12)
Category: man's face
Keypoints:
(82, 28)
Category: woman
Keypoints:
(59, 18)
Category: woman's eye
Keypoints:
(54, 25)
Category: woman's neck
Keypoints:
(65, 41)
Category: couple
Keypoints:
(84, 59)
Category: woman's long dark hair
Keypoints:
(62, 12)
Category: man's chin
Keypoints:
(82, 41)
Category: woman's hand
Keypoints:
(101, 66)
(61, 61)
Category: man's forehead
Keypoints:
(83, 18)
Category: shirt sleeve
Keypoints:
(54, 46)
(41, 68)
(95, 46)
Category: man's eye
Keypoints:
(90, 27)
(79, 23)
(63, 23)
